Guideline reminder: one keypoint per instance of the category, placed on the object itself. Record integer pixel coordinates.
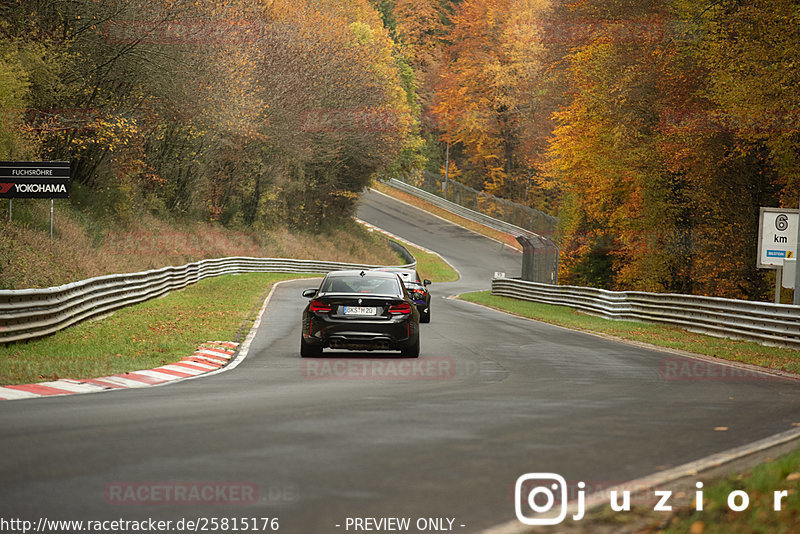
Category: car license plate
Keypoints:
(360, 310)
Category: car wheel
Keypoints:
(411, 351)
(307, 350)
(425, 317)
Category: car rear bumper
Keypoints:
(361, 335)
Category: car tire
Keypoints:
(307, 350)
(425, 317)
(411, 351)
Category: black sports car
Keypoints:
(417, 288)
(360, 310)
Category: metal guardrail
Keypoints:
(540, 253)
(511, 212)
(762, 322)
(467, 213)
(30, 313)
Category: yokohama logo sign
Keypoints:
(25, 179)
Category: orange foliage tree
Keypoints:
(486, 95)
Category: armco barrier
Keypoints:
(467, 213)
(540, 253)
(30, 313)
(511, 212)
(762, 322)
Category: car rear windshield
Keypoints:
(360, 284)
(407, 276)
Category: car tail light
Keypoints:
(319, 306)
(401, 308)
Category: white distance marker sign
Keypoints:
(777, 236)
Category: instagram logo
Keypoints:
(540, 494)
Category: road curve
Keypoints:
(492, 397)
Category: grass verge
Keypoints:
(431, 266)
(143, 336)
(760, 516)
(759, 483)
(782, 359)
(444, 214)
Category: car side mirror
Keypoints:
(426, 282)
(310, 293)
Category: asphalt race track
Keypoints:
(492, 397)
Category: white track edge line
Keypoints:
(694, 468)
(244, 347)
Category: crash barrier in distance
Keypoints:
(496, 208)
(540, 253)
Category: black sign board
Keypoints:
(34, 179)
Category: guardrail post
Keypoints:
(796, 297)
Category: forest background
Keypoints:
(654, 129)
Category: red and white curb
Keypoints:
(209, 357)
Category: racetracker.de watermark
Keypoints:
(140, 243)
(49, 120)
(714, 121)
(179, 493)
(688, 369)
(348, 120)
(378, 369)
(183, 32)
(579, 32)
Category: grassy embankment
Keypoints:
(160, 331)
(87, 244)
(782, 474)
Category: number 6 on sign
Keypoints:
(777, 237)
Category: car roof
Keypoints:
(398, 270)
(367, 273)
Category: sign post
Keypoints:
(34, 179)
(796, 300)
(777, 241)
(447, 171)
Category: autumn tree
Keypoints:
(244, 111)
(486, 99)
